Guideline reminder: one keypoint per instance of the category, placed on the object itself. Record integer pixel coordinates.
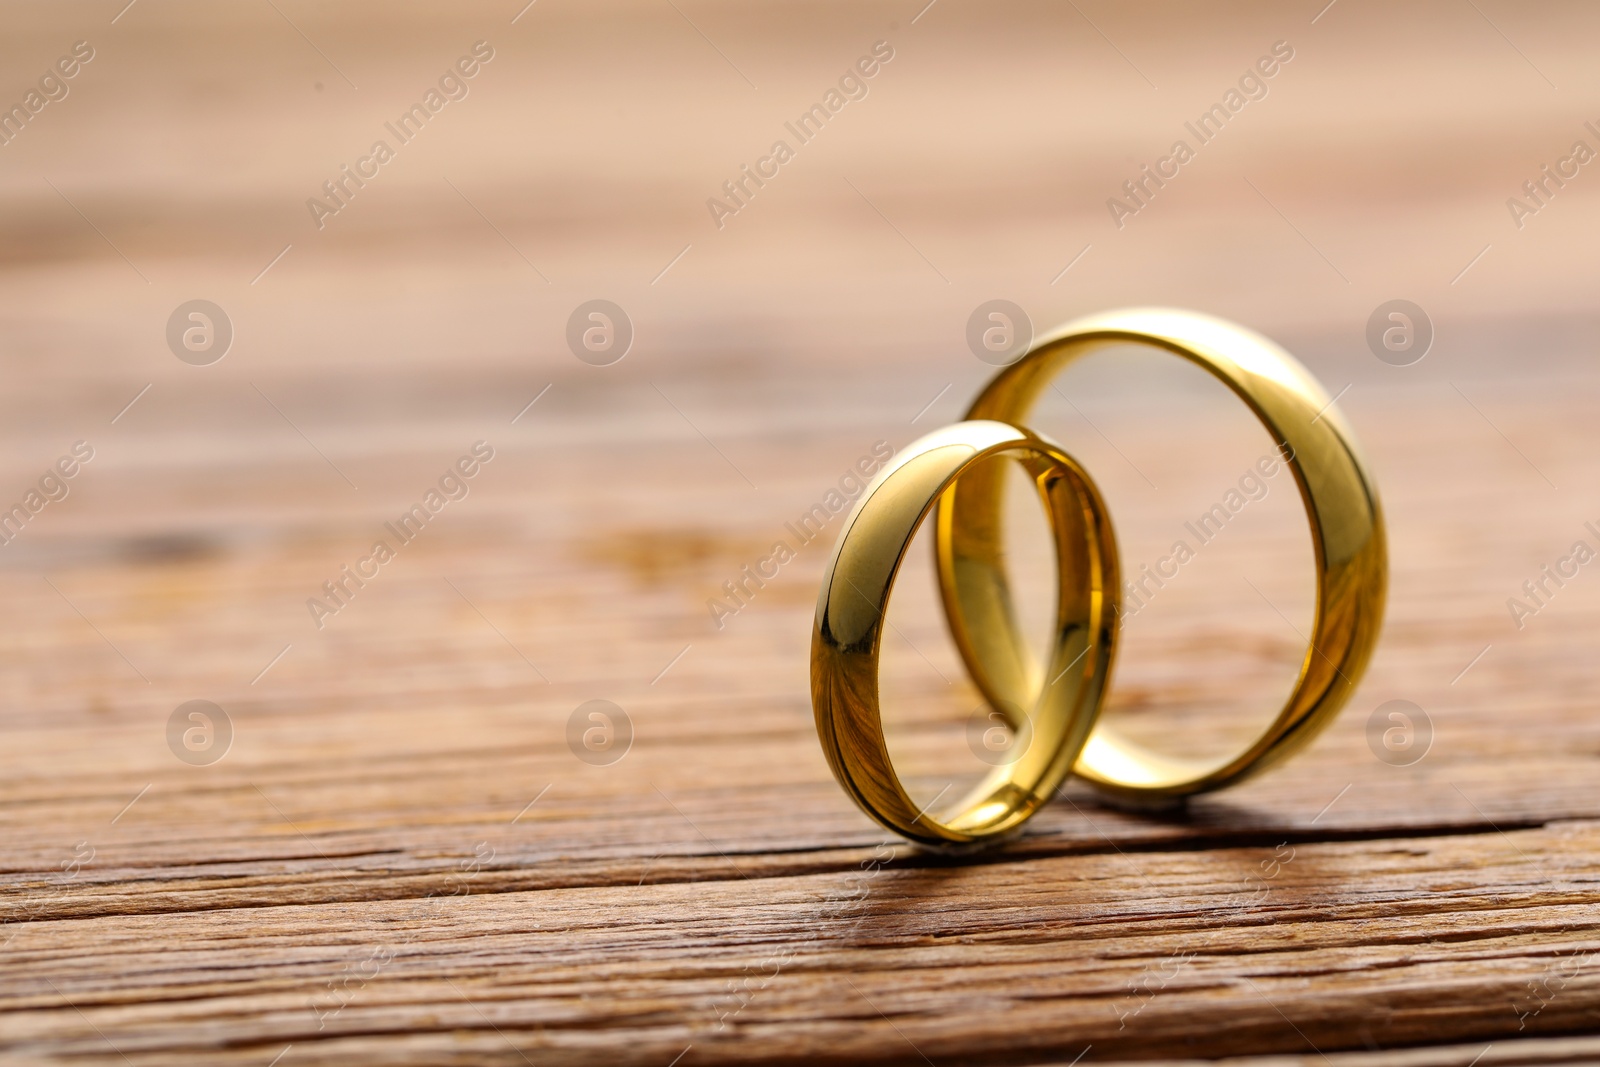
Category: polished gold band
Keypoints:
(1341, 503)
(847, 637)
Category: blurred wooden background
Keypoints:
(401, 857)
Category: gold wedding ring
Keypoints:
(1341, 503)
(851, 608)
(958, 470)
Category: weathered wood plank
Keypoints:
(1472, 935)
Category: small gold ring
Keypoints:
(848, 634)
(1341, 503)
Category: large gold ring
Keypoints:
(1341, 503)
(851, 608)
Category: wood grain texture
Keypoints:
(402, 859)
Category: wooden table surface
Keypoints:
(404, 853)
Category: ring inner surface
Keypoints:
(1062, 713)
